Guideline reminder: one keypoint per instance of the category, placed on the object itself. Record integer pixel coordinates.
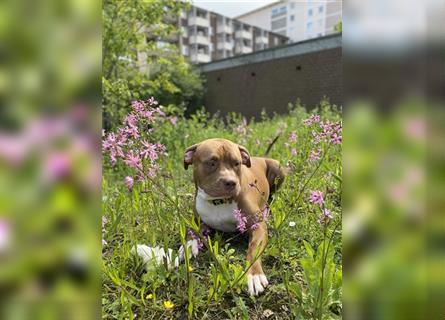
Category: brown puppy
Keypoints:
(226, 179)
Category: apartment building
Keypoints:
(207, 36)
(298, 20)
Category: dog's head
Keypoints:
(217, 166)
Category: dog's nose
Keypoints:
(229, 184)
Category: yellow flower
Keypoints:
(190, 269)
(149, 297)
(168, 304)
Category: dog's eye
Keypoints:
(211, 163)
(237, 164)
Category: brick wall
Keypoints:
(274, 83)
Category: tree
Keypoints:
(338, 27)
(135, 66)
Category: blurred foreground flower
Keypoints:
(5, 235)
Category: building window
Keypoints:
(320, 9)
(320, 23)
(310, 12)
(185, 50)
(278, 11)
(292, 17)
(292, 5)
(309, 26)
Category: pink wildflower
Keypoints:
(265, 213)
(255, 226)
(241, 220)
(294, 152)
(138, 106)
(152, 101)
(173, 120)
(327, 213)
(149, 115)
(336, 139)
(315, 118)
(315, 155)
(160, 112)
(131, 120)
(292, 137)
(325, 217)
(316, 197)
(132, 132)
(129, 182)
(149, 151)
(132, 160)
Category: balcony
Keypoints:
(224, 45)
(243, 34)
(243, 50)
(261, 40)
(199, 39)
(200, 58)
(223, 28)
(199, 21)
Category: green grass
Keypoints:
(155, 212)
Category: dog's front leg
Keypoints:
(256, 280)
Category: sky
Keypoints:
(231, 8)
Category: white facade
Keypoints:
(298, 20)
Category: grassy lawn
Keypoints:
(157, 210)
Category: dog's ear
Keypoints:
(275, 174)
(245, 156)
(188, 155)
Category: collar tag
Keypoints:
(217, 202)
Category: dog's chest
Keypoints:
(219, 216)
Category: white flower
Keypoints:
(292, 224)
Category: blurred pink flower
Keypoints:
(317, 197)
(57, 165)
(415, 128)
(129, 182)
(292, 136)
(294, 152)
(5, 234)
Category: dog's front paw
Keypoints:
(256, 283)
